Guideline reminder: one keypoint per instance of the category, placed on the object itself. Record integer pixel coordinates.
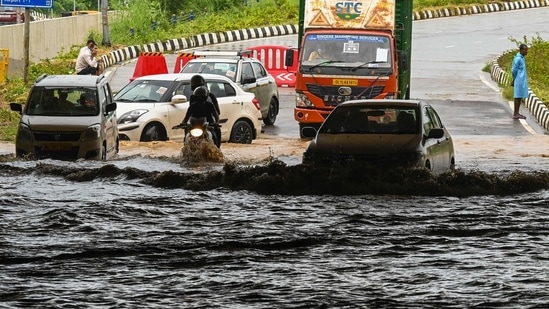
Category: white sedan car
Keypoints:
(150, 106)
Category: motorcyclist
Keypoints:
(203, 108)
(197, 81)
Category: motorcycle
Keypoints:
(198, 143)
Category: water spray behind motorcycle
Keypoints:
(198, 144)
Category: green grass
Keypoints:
(223, 17)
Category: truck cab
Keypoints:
(350, 52)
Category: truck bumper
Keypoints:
(310, 116)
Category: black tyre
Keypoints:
(241, 133)
(104, 153)
(273, 112)
(153, 132)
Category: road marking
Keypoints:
(490, 84)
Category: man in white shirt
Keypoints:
(88, 47)
(86, 64)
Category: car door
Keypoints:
(109, 119)
(445, 143)
(265, 84)
(230, 106)
(437, 148)
(176, 112)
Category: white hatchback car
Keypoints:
(248, 73)
(150, 106)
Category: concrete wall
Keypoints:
(47, 38)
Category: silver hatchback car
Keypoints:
(68, 117)
(383, 133)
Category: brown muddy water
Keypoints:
(147, 230)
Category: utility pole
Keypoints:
(105, 21)
(26, 49)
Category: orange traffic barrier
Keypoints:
(181, 60)
(149, 63)
(273, 57)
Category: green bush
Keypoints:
(536, 65)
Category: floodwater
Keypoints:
(151, 231)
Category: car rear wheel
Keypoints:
(153, 132)
(271, 115)
(104, 153)
(241, 133)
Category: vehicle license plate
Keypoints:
(56, 147)
(345, 82)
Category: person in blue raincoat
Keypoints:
(520, 80)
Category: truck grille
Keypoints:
(331, 97)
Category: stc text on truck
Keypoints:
(354, 49)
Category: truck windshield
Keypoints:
(355, 51)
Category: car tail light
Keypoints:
(256, 103)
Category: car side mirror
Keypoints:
(16, 107)
(289, 58)
(248, 80)
(110, 107)
(179, 98)
(436, 133)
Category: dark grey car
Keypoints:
(383, 133)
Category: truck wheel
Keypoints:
(271, 115)
(301, 132)
(241, 133)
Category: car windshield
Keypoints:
(371, 120)
(369, 51)
(143, 91)
(55, 101)
(220, 68)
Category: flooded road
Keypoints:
(147, 230)
(259, 231)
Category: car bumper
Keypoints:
(129, 132)
(90, 150)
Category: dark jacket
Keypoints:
(201, 108)
(211, 98)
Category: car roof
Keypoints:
(380, 102)
(216, 59)
(69, 80)
(182, 76)
(228, 59)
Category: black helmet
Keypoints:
(197, 80)
(201, 92)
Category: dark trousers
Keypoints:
(88, 71)
(217, 131)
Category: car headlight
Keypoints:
(92, 133)
(132, 116)
(24, 133)
(301, 100)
